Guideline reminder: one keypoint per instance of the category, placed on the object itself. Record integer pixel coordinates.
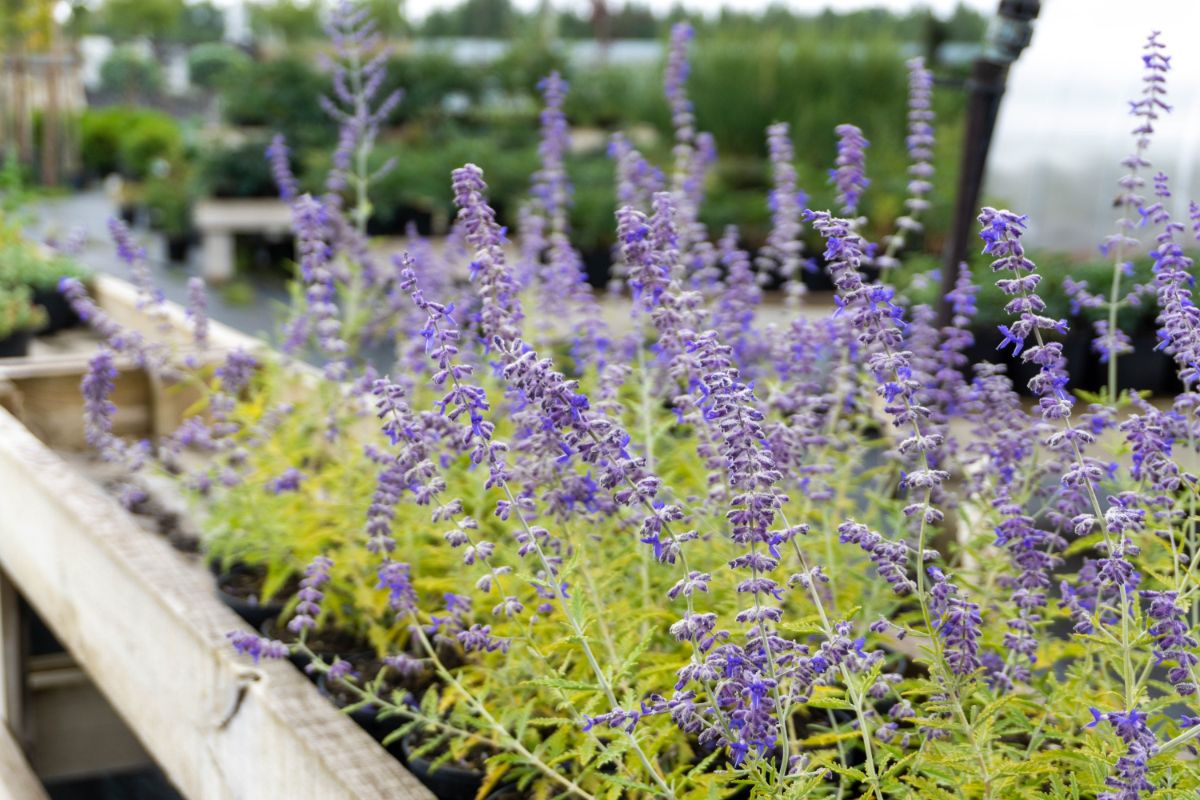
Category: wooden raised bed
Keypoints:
(141, 618)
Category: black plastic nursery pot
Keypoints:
(447, 781)
(16, 344)
(1146, 369)
(232, 586)
(367, 718)
(177, 248)
(1076, 349)
(59, 314)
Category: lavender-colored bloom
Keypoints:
(637, 179)
(316, 575)
(891, 558)
(1178, 318)
(1130, 779)
(396, 578)
(197, 311)
(310, 221)
(236, 371)
(551, 188)
(281, 169)
(257, 647)
(733, 317)
(98, 409)
(1147, 110)
(358, 73)
(674, 87)
(500, 312)
(134, 255)
(289, 481)
(1002, 231)
(920, 143)
(877, 324)
(957, 621)
(150, 356)
(785, 247)
(849, 173)
(1173, 641)
(1032, 552)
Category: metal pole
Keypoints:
(1008, 34)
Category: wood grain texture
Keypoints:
(17, 781)
(145, 625)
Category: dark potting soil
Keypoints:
(246, 582)
(474, 761)
(326, 642)
(154, 516)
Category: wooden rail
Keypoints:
(141, 618)
(17, 781)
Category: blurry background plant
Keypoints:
(19, 317)
(470, 72)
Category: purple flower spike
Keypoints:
(957, 621)
(849, 175)
(281, 168)
(197, 311)
(784, 250)
(289, 481)
(920, 143)
(97, 387)
(1173, 641)
(1130, 778)
(308, 609)
(500, 313)
(257, 647)
(550, 184)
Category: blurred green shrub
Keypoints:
(240, 171)
(169, 198)
(130, 75)
(281, 95)
(127, 141)
(211, 63)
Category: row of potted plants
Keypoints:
(30, 302)
(698, 555)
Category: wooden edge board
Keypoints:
(144, 623)
(17, 781)
(119, 299)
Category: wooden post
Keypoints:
(143, 621)
(14, 649)
(17, 781)
(218, 253)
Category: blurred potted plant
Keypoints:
(168, 197)
(19, 318)
(21, 265)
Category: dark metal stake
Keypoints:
(1009, 33)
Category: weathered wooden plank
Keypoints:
(143, 622)
(13, 646)
(44, 396)
(118, 298)
(17, 781)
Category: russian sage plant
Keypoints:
(700, 554)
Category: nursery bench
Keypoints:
(141, 619)
(218, 221)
